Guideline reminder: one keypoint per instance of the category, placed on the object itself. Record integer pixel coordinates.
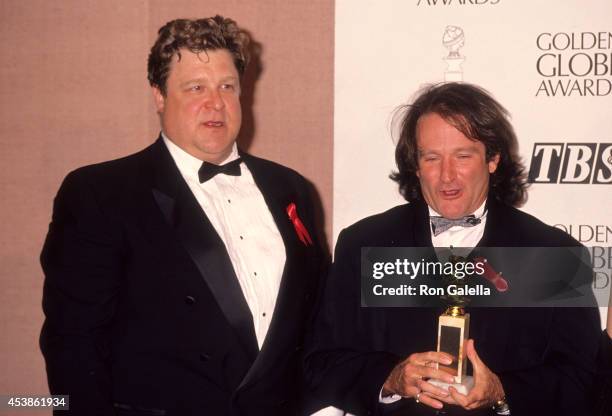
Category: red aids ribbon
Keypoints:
(300, 230)
(492, 276)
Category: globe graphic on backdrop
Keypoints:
(453, 40)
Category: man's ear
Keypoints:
(493, 163)
(158, 98)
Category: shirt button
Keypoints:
(189, 300)
(264, 314)
(255, 273)
(241, 237)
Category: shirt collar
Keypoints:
(479, 213)
(189, 165)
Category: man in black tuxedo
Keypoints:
(459, 169)
(178, 280)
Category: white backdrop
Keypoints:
(548, 62)
(521, 51)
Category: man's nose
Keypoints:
(447, 170)
(215, 101)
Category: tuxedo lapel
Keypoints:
(278, 194)
(491, 324)
(500, 228)
(198, 236)
(421, 227)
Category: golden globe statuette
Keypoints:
(453, 332)
(453, 40)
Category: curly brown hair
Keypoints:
(476, 114)
(197, 36)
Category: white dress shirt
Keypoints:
(458, 236)
(237, 210)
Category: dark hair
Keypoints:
(479, 117)
(199, 35)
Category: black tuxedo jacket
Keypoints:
(144, 313)
(545, 358)
(604, 382)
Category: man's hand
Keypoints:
(408, 378)
(487, 388)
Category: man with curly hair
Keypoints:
(459, 169)
(178, 280)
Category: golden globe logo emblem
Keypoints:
(453, 39)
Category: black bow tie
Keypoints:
(209, 170)
(441, 224)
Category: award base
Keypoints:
(464, 387)
(454, 72)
